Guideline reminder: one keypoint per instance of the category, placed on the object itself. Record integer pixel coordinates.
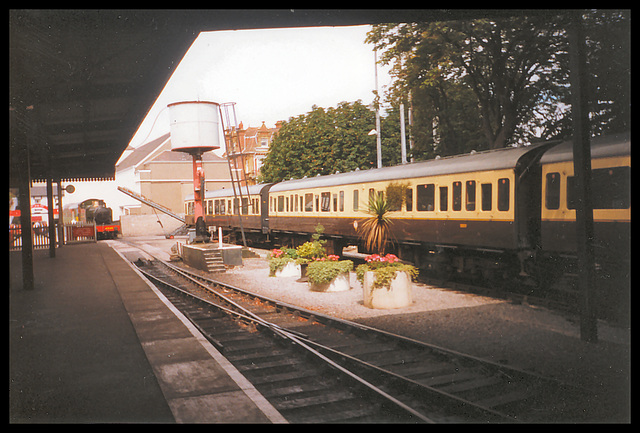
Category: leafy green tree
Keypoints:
(508, 64)
(490, 83)
(322, 141)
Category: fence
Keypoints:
(73, 233)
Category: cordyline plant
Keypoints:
(375, 231)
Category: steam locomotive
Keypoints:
(502, 217)
(96, 211)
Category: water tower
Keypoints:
(195, 130)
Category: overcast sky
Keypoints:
(271, 74)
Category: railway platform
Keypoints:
(93, 343)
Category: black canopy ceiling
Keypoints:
(82, 81)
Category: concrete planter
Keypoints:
(397, 295)
(289, 270)
(338, 284)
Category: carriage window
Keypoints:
(471, 195)
(209, 207)
(503, 194)
(457, 195)
(552, 196)
(222, 202)
(308, 202)
(245, 205)
(335, 202)
(408, 199)
(444, 198)
(295, 203)
(486, 190)
(356, 198)
(325, 201)
(610, 188)
(280, 203)
(425, 198)
(341, 201)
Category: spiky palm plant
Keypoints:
(375, 231)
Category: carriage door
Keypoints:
(264, 209)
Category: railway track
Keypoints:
(315, 368)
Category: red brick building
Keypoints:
(250, 147)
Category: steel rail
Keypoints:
(303, 339)
(291, 335)
(329, 352)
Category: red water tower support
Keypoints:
(195, 130)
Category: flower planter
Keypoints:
(289, 270)
(396, 295)
(338, 284)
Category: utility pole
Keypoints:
(403, 142)
(377, 106)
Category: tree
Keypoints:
(322, 142)
(509, 65)
(490, 83)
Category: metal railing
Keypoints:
(73, 233)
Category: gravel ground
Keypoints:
(523, 336)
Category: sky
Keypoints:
(270, 75)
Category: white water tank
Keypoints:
(194, 126)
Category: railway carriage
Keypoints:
(610, 192)
(224, 208)
(611, 199)
(467, 201)
(504, 216)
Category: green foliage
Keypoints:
(488, 83)
(384, 274)
(325, 141)
(384, 268)
(279, 258)
(310, 250)
(278, 263)
(375, 231)
(320, 272)
(396, 194)
(314, 249)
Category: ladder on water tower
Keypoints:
(236, 162)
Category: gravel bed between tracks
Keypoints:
(254, 276)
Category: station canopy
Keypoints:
(82, 81)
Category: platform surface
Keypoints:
(94, 343)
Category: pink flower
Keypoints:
(391, 258)
(333, 257)
(373, 258)
(276, 253)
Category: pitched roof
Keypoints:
(140, 153)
